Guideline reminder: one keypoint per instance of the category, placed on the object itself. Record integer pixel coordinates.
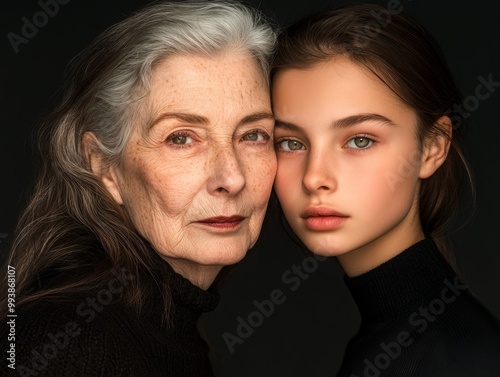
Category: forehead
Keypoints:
(236, 69)
(325, 94)
(188, 82)
(339, 84)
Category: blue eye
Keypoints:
(360, 142)
(290, 145)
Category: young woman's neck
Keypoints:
(382, 249)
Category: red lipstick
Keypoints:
(322, 218)
(223, 222)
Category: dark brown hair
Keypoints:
(402, 54)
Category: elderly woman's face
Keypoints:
(196, 179)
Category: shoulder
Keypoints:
(464, 340)
(71, 337)
(478, 358)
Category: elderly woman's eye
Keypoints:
(360, 142)
(179, 139)
(290, 145)
(256, 136)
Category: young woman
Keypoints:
(369, 171)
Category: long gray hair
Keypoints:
(71, 224)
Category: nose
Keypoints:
(227, 174)
(318, 177)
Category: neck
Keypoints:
(200, 275)
(417, 275)
(382, 249)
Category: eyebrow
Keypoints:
(343, 122)
(252, 118)
(185, 117)
(199, 119)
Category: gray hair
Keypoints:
(70, 211)
(125, 55)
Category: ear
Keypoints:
(108, 175)
(436, 147)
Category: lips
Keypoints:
(223, 222)
(322, 218)
(321, 211)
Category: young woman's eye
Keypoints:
(360, 142)
(179, 139)
(290, 145)
(255, 136)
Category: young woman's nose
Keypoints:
(318, 176)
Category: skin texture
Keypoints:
(206, 150)
(368, 170)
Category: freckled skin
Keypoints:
(376, 188)
(167, 188)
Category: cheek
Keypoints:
(260, 174)
(288, 182)
(134, 184)
(166, 188)
(386, 184)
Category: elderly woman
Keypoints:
(156, 170)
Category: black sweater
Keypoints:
(418, 319)
(90, 335)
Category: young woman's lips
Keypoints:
(323, 218)
(223, 222)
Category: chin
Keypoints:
(324, 247)
(224, 255)
(326, 252)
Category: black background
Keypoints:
(306, 334)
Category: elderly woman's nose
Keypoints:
(226, 173)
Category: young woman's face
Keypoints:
(349, 161)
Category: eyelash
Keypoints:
(172, 136)
(264, 134)
(179, 134)
(281, 140)
(363, 136)
(357, 150)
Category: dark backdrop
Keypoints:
(305, 330)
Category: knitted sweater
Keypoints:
(418, 319)
(97, 334)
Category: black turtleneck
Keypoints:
(419, 319)
(91, 336)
